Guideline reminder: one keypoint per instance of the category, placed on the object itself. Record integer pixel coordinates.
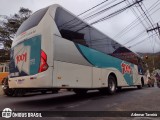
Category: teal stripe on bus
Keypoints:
(101, 60)
(35, 53)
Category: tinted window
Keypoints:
(125, 54)
(32, 21)
(74, 29)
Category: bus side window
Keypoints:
(74, 37)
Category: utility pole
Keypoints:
(155, 28)
(158, 29)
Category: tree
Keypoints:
(10, 25)
(152, 61)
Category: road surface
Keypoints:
(146, 99)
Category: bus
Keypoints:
(4, 71)
(54, 49)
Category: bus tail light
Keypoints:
(43, 63)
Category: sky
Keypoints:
(111, 27)
(1, 45)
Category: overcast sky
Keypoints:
(1, 45)
(110, 27)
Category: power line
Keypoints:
(92, 8)
(134, 12)
(104, 10)
(143, 16)
(151, 25)
(147, 12)
(90, 14)
(139, 35)
(129, 27)
(115, 13)
(84, 12)
(141, 41)
(147, 16)
(110, 15)
(99, 8)
(94, 15)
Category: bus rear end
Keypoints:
(29, 61)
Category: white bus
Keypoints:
(54, 49)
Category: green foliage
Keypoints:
(11, 24)
(153, 61)
(9, 27)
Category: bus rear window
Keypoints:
(32, 21)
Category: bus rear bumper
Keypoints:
(35, 81)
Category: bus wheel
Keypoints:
(119, 88)
(111, 85)
(80, 91)
(139, 86)
(54, 91)
(43, 91)
(19, 92)
(142, 84)
(7, 91)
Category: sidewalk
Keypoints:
(1, 91)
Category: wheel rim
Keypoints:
(112, 85)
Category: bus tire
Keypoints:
(119, 88)
(19, 92)
(111, 85)
(43, 91)
(103, 91)
(80, 91)
(7, 91)
(55, 91)
(139, 86)
(142, 84)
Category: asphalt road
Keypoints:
(133, 99)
